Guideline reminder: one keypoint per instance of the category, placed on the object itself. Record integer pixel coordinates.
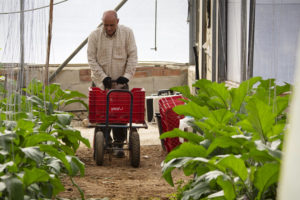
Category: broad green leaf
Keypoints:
(209, 176)
(282, 104)
(57, 186)
(167, 174)
(54, 164)
(64, 119)
(235, 164)
(186, 149)
(276, 130)
(204, 86)
(191, 137)
(5, 165)
(67, 102)
(25, 125)
(217, 195)
(228, 187)
(36, 139)
(167, 167)
(280, 89)
(221, 92)
(34, 176)
(76, 165)
(73, 136)
(197, 191)
(57, 154)
(265, 176)
(222, 116)
(15, 188)
(274, 153)
(33, 153)
(223, 142)
(69, 94)
(239, 94)
(192, 109)
(261, 117)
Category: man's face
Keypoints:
(110, 25)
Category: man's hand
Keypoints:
(122, 80)
(107, 82)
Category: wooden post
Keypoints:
(48, 43)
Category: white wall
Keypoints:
(276, 29)
(234, 40)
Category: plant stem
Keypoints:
(78, 188)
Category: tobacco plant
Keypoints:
(37, 143)
(235, 149)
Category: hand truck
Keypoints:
(116, 108)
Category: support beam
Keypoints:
(48, 43)
(214, 27)
(202, 39)
(243, 41)
(21, 72)
(251, 39)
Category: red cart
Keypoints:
(116, 108)
(169, 119)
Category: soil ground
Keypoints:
(117, 179)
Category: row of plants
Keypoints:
(37, 143)
(235, 149)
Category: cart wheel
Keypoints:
(134, 149)
(94, 144)
(99, 147)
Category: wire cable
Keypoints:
(16, 12)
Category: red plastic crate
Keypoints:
(119, 106)
(170, 119)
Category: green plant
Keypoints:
(38, 144)
(236, 151)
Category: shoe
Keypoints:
(119, 153)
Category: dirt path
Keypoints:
(117, 179)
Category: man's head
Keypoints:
(110, 22)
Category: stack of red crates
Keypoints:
(119, 106)
(170, 119)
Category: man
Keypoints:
(112, 55)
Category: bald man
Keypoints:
(112, 52)
(112, 55)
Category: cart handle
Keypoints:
(107, 106)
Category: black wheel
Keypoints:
(94, 144)
(134, 149)
(99, 147)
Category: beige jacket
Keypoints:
(111, 56)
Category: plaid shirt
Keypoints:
(111, 56)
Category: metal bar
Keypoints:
(251, 39)
(214, 26)
(222, 41)
(155, 26)
(202, 38)
(49, 42)
(21, 72)
(60, 67)
(243, 40)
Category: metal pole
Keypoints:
(60, 67)
(251, 39)
(21, 72)
(49, 42)
(243, 41)
(155, 28)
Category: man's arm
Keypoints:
(97, 72)
(131, 56)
